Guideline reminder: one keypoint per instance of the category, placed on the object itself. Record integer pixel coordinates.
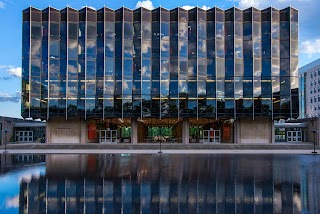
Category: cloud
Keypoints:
(12, 202)
(204, 7)
(146, 4)
(1, 5)
(15, 98)
(310, 47)
(15, 71)
(10, 71)
(5, 78)
(92, 8)
(189, 7)
(244, 4)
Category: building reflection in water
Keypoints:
(173, 184)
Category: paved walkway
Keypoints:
(280, 148)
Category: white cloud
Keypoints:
(1, 5)
(15, 71)
(189, 7)
(92, 8)
(244, 4)
(146, 4)
(15, 98)
(12, 202)
(310, 47)
(204, 7)
(11, 70)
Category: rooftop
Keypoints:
(309, 66)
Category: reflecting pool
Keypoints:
(160, 184)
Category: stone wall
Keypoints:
(259, 130)
(60, 130)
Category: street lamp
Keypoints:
(314, 142)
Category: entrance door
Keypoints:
(108, 136)
(24, 136)
(294, 136)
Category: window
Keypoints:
(311, 75)
(310, 100)
(318, 98)
(319, 71)
(310, 91)
(315, 74)
(315, 108)
(315, 83)
(24, 136)
(314, 90)
(311, 83)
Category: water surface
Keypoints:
(160, 184)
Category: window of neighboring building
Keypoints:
(314, 90)
(315, 108)
(311, 75)
(318, 98)
(319, 71)
(315, 74)
(310, 91)
(315, 83)
(310, 100)
(311, 83)
(24, 136)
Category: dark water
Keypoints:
(160, 184)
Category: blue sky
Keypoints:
(11, 26)
(10, 186)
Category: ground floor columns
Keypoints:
(134, 131)
(185, 131)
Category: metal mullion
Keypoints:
(104, 64)
(30, 44)
(234, 64)
(271, 11)
(253, 77)
(67, 63)
(290, 58)
(215, 64)
(48, 62)
(141, 32)
(122, 62)
(197, 39)
(85, 64)
(178, 64)
(160, 63)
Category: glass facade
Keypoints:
(160, 63)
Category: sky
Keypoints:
(10, 186)
(11, 32)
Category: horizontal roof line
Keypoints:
(167, 9)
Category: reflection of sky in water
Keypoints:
(10, 186)
(191, 184)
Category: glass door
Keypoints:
(294, 136)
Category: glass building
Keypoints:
(162, 72)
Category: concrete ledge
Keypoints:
(153, 151)
(154, 148)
